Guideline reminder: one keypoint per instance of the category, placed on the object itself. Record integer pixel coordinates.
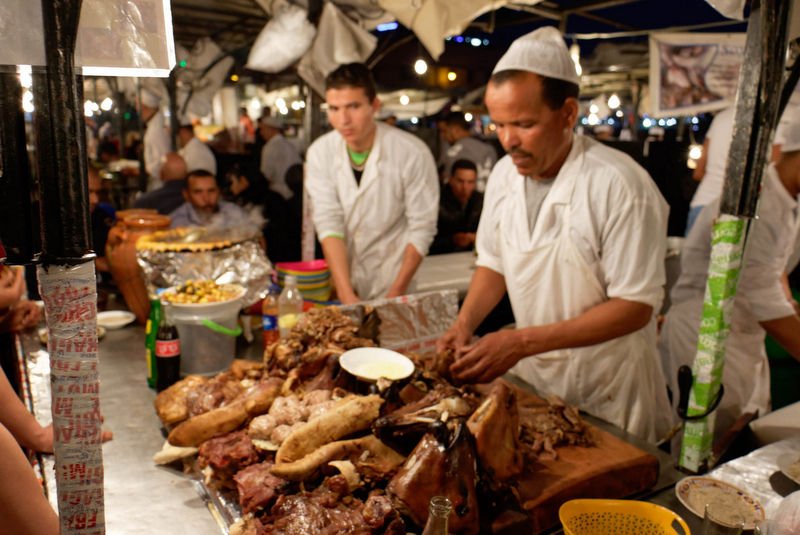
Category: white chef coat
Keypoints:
(198, 156)
(156, 145)
(396, 203)
(759, 297)
(600, 234)
(277, 156)
(720, 134)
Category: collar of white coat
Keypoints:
(370, 169)
(564, 182)
(774, 181)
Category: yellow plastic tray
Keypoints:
(618, 517)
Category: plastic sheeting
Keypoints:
(283, 41)
(115, 37)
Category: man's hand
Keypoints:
(456, 337)
(488, 358)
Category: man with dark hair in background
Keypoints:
(374, 191)
(459, 210)
(463, 146)
(203, 206)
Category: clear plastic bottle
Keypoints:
(269, 314)
(290, 306)
(438, 516)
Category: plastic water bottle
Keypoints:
(290, 306)
(269, 314)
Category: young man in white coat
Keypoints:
(576, 233)
(374, 191)
(762, 303)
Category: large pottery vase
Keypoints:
(121, 254)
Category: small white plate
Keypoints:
(697, 492)
(789, 464)
(372, 363)
(115, 319)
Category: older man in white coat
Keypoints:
(374, 191)
(762, 303)
(576, 233)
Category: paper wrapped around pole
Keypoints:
(172, 257)
(408, 323)
(115, 37)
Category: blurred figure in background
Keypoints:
(203, 206)
(102, 218)
(156, 138)
(459, 210)
(169, 196)
(465, 147)
(194, 152)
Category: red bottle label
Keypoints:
(168, 348)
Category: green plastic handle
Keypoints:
(221, 329)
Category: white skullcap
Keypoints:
(149, 99)
(788, 136)
(543, 52)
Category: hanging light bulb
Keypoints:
(420, 66)
(575, 54)
(613, 101)
(107, 104)
(404, 100)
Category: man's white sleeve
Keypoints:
(486, 241)
(421, 200)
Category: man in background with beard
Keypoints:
(203, 207)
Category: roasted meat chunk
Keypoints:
(258, 487)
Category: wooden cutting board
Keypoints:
(611, 469)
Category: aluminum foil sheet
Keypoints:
(242, 263)
(411, 322)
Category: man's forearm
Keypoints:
(335, 252)
(411, 261)
(786, 331)
(603, 322)
(486, 289)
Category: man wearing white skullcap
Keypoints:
(763, 301)
(576, 233)
(156, 137)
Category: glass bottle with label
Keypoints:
(438, 516)
(153, 323)
(290, 305)
(168, 355)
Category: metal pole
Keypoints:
(761, 76)
(67, 277)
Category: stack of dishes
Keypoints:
(313, 278)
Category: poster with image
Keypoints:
(693, 73)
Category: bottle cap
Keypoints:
(290, 280)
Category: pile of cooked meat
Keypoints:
(307, 449)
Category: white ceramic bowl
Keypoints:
(115, 319)
(372, 363)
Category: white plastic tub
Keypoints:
(208, 334)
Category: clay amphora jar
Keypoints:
(121, 254)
